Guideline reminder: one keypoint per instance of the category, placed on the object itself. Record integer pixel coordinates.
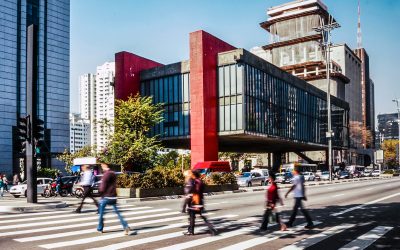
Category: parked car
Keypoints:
(367, 173)
(250, 178)
(375, 173)
(325, 176)
(21, 189)
(357, 174)
(77, 188)
(309, 176)
(345, 175)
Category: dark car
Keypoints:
(345, 175)
(287, 177)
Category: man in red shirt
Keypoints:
(272, 197)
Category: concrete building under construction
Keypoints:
(294, 46)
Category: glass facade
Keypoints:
(255, 101)
(174, 93)
(52, 20)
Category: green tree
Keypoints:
(130, 146)
(389, 153)
(233, 157)
(68, 157)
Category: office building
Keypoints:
(52, 21)
(388, 127)
(103, 108)
(87, 93)
(79, 132)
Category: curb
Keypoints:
(7, 209)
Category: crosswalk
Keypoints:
(162, 228)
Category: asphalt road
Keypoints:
(356, 215)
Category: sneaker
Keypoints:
(127, 230)
(214, 232)
(188, 233)
(309, 226)
(100, 231)
(77, 211)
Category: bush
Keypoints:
(160, 177)
(47, 172)
(388, 171)
(128, 181)
(220, 179)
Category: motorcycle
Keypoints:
(51, 190)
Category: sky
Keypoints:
(159, 30)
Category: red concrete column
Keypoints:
(204, 49)
(127, 73)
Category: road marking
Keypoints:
(368, 189)
(63, 215)
(367, 239)
(93, 230)
(81, 218)
(314, 239)
(116, 235)
(45, 229)
(32, 214)
(266, 238)
(161, 237)
(338, 195)
(215, 203)
(366, 204)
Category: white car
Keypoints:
(375, 173)
(309, 176)
(21, 189)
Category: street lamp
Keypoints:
(325, 30)
(397, 101)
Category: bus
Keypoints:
(302, 167)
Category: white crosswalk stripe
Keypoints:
(367, 239)
(318, 237)
(267, 238)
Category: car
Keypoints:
(357, 174)
(287, 177)
(345, 175)
(309, 176)
(367, 173)
(279, 178)
(21, 189)
(263, 172)
(248, 179)
(325, 176)
(375, 173)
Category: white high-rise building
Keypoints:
(86, 90)
(104, 104)
(79, 132)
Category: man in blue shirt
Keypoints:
(299, 196)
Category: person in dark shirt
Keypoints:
(272, 197)
(197, 205)
(187, 190)
(108, 193)
(58, 183)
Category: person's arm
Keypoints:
(290, 190)
(103, 183)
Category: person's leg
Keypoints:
(102, 206)
(121, 219)
(192, 220)
(85, 194)
(90, 194)
(266, 215)
(297, 204)
(209, 225)
(306, 214)
(1, 191)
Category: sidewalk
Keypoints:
(8, 205)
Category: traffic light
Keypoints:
(23, 133)
(38, 136)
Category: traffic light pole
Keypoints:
(31, 108)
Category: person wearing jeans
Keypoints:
(299, 196)
(108, 193)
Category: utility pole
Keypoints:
(325, 30)
(31, 110)
(397, 101)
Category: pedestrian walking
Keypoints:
(58, 183)
(272, 197)
(299, 196)
(87, 181)
(5, 182)
(108, 191)
(197, 205)
(187, 190)
(1, 186)
(16, 179)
